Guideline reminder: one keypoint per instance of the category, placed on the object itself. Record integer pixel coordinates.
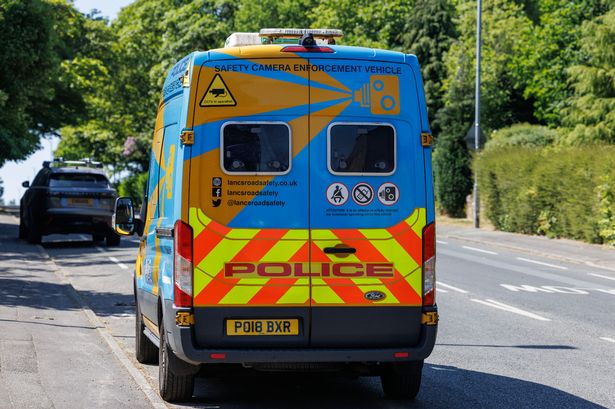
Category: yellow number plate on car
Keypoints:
(262, 327)
(80, 201)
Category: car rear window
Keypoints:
(359, 148)
(256, 148)
(78, 180)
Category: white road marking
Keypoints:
(450, 287)
(84, 237)
(116, 261)
(441, 242)
(100, 249)
(480, 250)
(438, 289)
(541, 263)
(608, 339)
(510, 308)
(601, 276)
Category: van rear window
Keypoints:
(256, 148)
(78, 180)
(366, 149)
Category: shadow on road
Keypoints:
(43, 295)
(27, 278)
(443, 387)
(529, 346)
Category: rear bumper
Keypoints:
(75, 220)
(181, 340)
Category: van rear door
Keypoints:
(367, 205)
(248, 203)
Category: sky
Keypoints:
(14, 173)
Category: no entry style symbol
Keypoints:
(362, 194)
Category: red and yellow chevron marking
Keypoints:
(400, 244)
(215, 245)
(274, 267)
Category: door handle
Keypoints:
(340, 250)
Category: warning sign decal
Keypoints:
(218, 94)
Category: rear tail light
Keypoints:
(429, 265)
(182, 268)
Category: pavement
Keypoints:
(51, 354)
(571, 251)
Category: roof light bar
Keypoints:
(322, 36)
(298, 32)
(88, 162)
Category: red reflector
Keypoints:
(429, 298)
(302, 49)
(181, 299)
(429, 241)
(217, 356)
(401, 355)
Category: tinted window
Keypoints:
(361, 148)
(256, 147)
(78, 180)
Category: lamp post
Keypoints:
(477, 111)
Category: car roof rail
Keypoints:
(59, 162)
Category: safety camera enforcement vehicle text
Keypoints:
(289, 216)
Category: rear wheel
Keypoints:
(113, 240)
(402, 380)
(34, 235)
(145, 350)
(175, 377)
(22, 227)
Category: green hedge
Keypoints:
(133, 186)
(553, 191)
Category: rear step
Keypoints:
(152, 337)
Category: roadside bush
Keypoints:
(522, 135)
(133, 186)
(452, 175)
(553, 191)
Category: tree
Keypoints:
(365, 23)
(428, 34)
(146, 40)
(501, 103)
(591, 114)
(549, 48)
(26, 61)
(252, 15)
(452, 172)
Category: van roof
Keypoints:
(277, 51)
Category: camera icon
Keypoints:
(388, 194)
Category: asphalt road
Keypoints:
(524, 322)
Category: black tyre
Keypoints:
(98, 237)
(113, 240)
(34, 235)
(145, 350)
(402, 380)
(23, 233)
(175, 377)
